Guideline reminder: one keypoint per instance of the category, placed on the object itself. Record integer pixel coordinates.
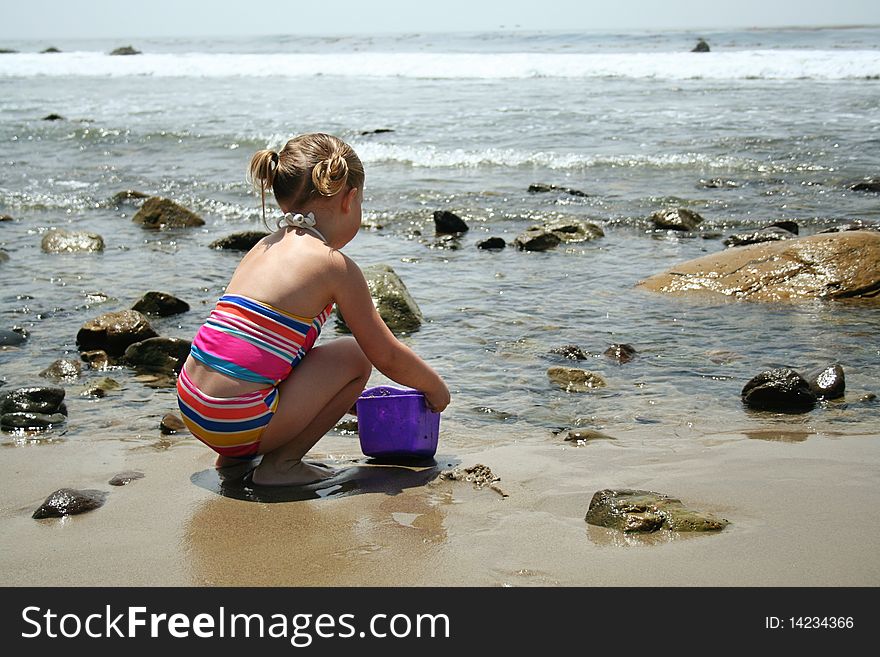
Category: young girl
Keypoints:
(253, 383)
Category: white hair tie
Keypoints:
(304, 221)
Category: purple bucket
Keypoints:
(396, 422)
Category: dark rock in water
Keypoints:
(161, 304)
(125, 50)
(31, 421)
(53, 117)
(572, 379)
(828, 382)
(492, 244)
(128, 196)
(63, 370)
(36, 399)
(171, 423)
(867, 185)
(243, 241)
(377, 131)
(781, 390)
(69, 502)
(157, 354)
(701, 46)
(575, 231)
(126, 477)
(786, 224)
(158, 213)
(6, 217)
(868, 397)
(395, 304)
(642, 511)
(450, 241)
(50, 49)
(584, 436)
(446, 222)
(857, 224)
(540, 188)
(769, 234)
(11, 338)
(570, 351)
(7, 51)
(718, 183)
(537, 238)
(97, 359)
(59, 240)
(114, 332)
(676, 219)
(622, 353)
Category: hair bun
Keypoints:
(330, 176)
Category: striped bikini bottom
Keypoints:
(231, 426)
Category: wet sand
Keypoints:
(803, 509)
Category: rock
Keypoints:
(126, 477)
(161, 304)
(157, 354)
(346, 427)
(100, 388)
(540, 188)
(632, 511)
(36, 399)
(7, 51)
(782, 390)
(50, 49)
(243, 241)
(769, 234)
(828, 382)
(622, 353)
(158, 213)
(868, 397)
(866, 185)
(128, 196)
(537, 238)
(479, 475)
(570, 351)
(6, 217)
(11, 338)
(575, 231)
(63, 370)
(492, 244)
(377, 131)
(446, 222)
(701, 46)
(114, 332)
(676, 219)
(68, 502)
(823, 266)
(31, 421)
(857, 224)
(718, 183)
(97, 359)
(171, 423)
(393, 301)
(53, 117)
(572, 379)
(125, 50)
(584, 436)
(59, 240)
(786, 224)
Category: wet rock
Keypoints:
(63, 369)
(570, 351)
(31, 421)
(59, 240)
(575, 231)
(492, 244)
(128, 196)
(11, 338)
(823, 266)
(537, 238)
(53, 117)
(114, 332)
(769, 234)
(35, 399)
(572, 379)
(718, 183)
(866, 185)
(346, 427)
(633, 511)
(125, 50)
(783, 390)
(622, 353)
(450, 241)
(584, 436)
(541, 188)
(479, 475)
(393, 301)
(6, 217)
(7, 51)
(161, 304)
(446, 222)
(158, 213)
(701, 46)
(828, 382)
(676, 219)
(69, 502)
(157, 354)
(97, 359)
(171, 424)
(124, 478)
(857, 224)
(868, 397)
(243, 241)
(99, 389)
(377, 131)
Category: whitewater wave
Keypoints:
(749, 64)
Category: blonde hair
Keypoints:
(308, 165)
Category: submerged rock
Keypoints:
(492, 244)
(782, 389)
(570, 351)
(11, 338)
(114, 332)
(769, 234)
(69, 501)
(124, 478)
(676, 219)
(158, 213)
(161, 304)
(157, 354)
(572, 379)
(584, 436)
(622, 353)
(128, 196)
(866, 185)
(537, 238)
(395, 304)
(446, 222)
(31, 421)
(824, 266)
(541, 188)
(243, 241)
(59, 240)
(632, 511)
(718, 183)
(575, 231)
(828, 382)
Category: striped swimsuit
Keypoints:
(250, 340)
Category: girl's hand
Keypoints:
(438, 400)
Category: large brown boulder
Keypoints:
(158, 212)
(824, 266)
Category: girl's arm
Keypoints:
(388, 355)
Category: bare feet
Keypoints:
(291, 473)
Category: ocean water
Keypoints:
(468, 122)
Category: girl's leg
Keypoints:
(319, 391)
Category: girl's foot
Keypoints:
(291, 473)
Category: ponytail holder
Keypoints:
(297, 220)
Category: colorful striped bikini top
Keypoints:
(248, 339)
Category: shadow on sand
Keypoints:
(367, 476)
